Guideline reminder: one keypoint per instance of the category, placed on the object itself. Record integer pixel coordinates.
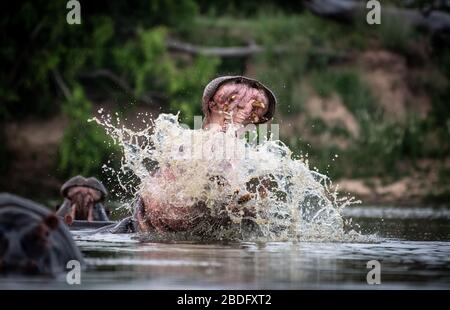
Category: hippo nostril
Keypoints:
(255, 117)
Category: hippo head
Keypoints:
(82, 193)
(32, 239)
(238, 100)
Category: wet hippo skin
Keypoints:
(83, 200)
(226, 100)
(33, 240)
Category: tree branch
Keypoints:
(246, 51)
(233, 51)
(61, 84)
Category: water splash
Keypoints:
(223, 188)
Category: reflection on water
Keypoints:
(414, 252)
(413, 224)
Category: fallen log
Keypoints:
(233, 51)
(244, 51)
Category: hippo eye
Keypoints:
(4, 243)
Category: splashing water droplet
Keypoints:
(226, 188)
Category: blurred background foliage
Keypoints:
(84, 147)
(120, 54)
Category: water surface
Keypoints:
(413, 248)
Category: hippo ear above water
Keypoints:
(51, 221)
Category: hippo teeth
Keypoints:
(258, 104)
(255, 118)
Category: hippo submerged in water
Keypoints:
(83, 200)
(32, 239)
(226, 100)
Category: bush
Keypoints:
(354, 92)
(43, 42)
(84, 147)
(395, 34)
(147, 63)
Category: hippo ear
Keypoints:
(51, 221)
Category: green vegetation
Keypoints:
(84, 147)
(146, 62)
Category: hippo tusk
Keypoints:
(90, 214)
(69, 218)
(255, 118)
(258, 104)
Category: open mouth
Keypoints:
(243, 116)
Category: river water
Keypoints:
(250, 192)
(413, 248)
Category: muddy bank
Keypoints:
(423, 188)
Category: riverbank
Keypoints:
(33, 172)
(408, 191)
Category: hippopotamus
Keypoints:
(33, 240)
(237, 99)
(228, 99)
(83, 200)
